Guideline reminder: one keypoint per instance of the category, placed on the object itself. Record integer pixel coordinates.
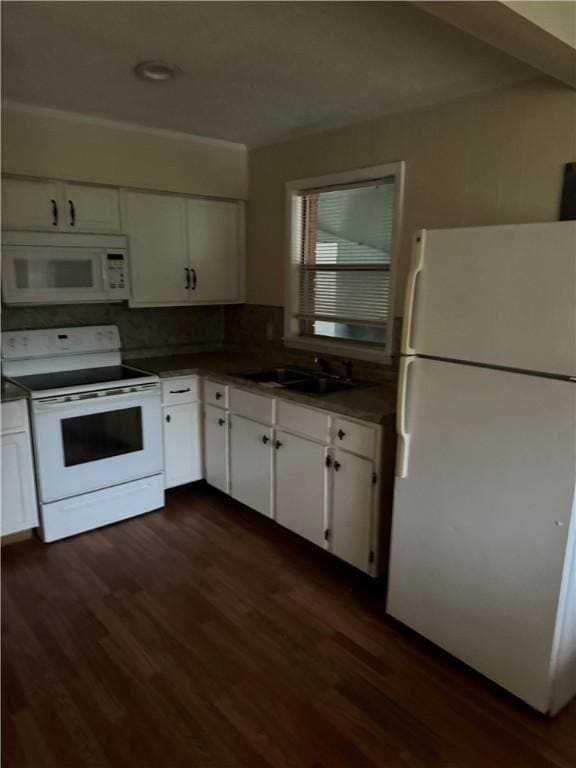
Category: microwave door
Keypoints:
(45, 275)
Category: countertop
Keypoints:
(9, 391)
(374, 402)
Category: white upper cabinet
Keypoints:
(59, 206)
(156, 228)
(91, 209)
(30, 204)
(215, 243)
(183, 250)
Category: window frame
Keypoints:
(294, 189)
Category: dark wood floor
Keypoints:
(204, 635)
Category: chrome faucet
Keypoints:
(323, 364)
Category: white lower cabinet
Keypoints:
(216, 447)
(19, 503)
(251, 461)
(182, 416)
(352, 509)
(287, 461)
(182, 444)
(301, 486)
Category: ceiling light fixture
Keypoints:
(155, 71)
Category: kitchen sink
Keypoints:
(303, 380)
(323, 386)
(278, 376)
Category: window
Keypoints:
(341, 261)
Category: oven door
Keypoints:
(94, 441)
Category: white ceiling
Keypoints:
(252, 72)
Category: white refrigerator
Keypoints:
(483, 546)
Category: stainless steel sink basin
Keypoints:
(302, 380)
(277, 376)
(324, 386)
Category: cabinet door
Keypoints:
(352, 505)
(251, 456)
(156, 227)
(300, 480)
(182, 444)
(19, 508)
(216, 447)
(28, 204)
(91, 209)
(216, 252)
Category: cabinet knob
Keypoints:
(278, 444)
(337, 465)
(341, 434)
(221, 422)
(218, 395)
(168, 418)
(265, 439)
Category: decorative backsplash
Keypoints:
(157, 331)
(144, 332)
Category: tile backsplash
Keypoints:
(144, 332)
(252, 328)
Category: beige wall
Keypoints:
(556, 18)
(493, 158)
(38, 144)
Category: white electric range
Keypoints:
(96, 424)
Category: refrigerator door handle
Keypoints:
(403, 450)
(417, 266)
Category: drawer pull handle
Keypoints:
(179, 391)
(221, 422)
(72, 213)
(54, 213)
(278, 444)
(337, 465)
(265, 439)
(341, 434)
(218, 395)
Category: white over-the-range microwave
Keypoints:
(62, 268)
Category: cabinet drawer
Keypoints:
(15, 416)
(356, 438)
(304, 421)
(251, 406)
(215, 393)
(183, 389)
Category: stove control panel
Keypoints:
(51, 342)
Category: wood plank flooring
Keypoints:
(206, 636)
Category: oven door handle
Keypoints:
(39, 406)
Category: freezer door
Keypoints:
(501, 295)
(481, 517)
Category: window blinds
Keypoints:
(344, 253)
